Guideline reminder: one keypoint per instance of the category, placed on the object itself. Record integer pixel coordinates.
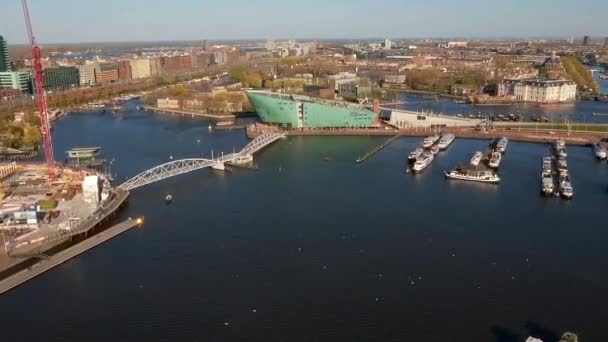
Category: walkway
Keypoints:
(52, 261)
(178, 167)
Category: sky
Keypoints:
(73, 21)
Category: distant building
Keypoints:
(5, 62)
(175, 63)
(167, 103)
(61, 77)
(107, 72)
(545, 91)
(155, 67)
(462, 90)
(387, 44)
(202, 60)
(87, 74)
(124, 70)
(452, 45)
(354, 92)
(507, 87)
(140, 68)
(205, 45)
(605, 41)
(19, 80)
(586, 40)
(395, 79)
(8, 94)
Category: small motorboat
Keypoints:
(327, 159)
(168, 198)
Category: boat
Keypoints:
(446, 140)
(415, 154)
(476, 159)
(495, 159)
(561, 165)
(434, 150)
(224, 123)
(547, 184)
(559, 149)
(599, 114)
(482, 176)
(600, 150)
(565, 189)
(422, 162)
(168, 198)
(244, 159)
(430, 141)
(501, 145)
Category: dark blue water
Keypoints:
(308, 250)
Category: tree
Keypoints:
(31, 136)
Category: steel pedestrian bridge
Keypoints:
(178, 167)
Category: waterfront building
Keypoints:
(124, 70)
(140, 68)
(545, 91)
(9, 94)
(176, 63)
(155, 67)
(167, 103)
(586, 40)
(107, 72)
(5, 61)
(294, 111)
(354, 92)
(87, 74)
(452, 45)
(60, 77)
(19, 80)
(506, 87)
(395, 79)
(409, 119)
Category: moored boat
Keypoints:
(476, 159)
(446, 140)
(565, 189)
(483, 176)
(422, 162)
(414, 154)
(430, 141)
(495, 159)
(599, 150)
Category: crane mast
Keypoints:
(45, 128)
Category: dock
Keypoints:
(50, 262)
(192, 113)
(377, 149)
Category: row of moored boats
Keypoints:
(555, 177)
(481, 172)
(424, 155)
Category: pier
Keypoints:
(191, 113)
(377, 149)
(52, 261)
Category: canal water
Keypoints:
(305, 249)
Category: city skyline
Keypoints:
(139, 20)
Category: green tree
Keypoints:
(31, 136)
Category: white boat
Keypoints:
(430, 141)
(415, 154)
(476, 159)
(422, 162)
(434, 150)
(600, 150)
(473, 176)
(565, 189)
(445, 141)
(243, 159)
(495, 159)
(501, 145)
(168, 198)
(560, 144)
(224, 123)
(547, 182)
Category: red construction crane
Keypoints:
(45, 128)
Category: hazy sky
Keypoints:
(130, 20)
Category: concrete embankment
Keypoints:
(50, 262)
